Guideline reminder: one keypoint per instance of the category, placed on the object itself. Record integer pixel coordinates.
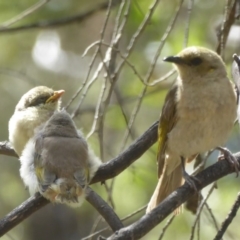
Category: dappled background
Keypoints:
(58, 45)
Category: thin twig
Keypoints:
(18, 75)
(109, 65)
(212, 216)
(62, 21)
(186, 35)
(200, 210)
(109, 195)
(201, 166)
(127, 157)
(122, 219)
(24, 14)
(104, 85)
(104, 209)
(99, 68)
(37, 201)
(229, 219)
(143, 81)
(94, 226)
(150, 71)
(141, 227)
(229, 19)
(114, 167)
(21, 212)
(198, 227)
(168, 223)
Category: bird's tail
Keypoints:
(167, 183)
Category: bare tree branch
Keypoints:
(21, 212)
(229, 219)
(24, 14)
(106, 171)
(166, 227)
(60, 22)
(36, 202)
(118, 164)
(229, 19)
(199, 211)
(104, 209)
(122, 219)
(126, 158)
(141, 227)
(113, 168)
(6, 149)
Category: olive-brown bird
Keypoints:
(34, 108)
(57, 161)
(197, 116)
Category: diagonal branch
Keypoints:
(24, 14)
(106, 171)
(126, 158)
(21, 212)
(60, 22)
(228, 21)
(104, 209)
(36, 202)
(116, 166)
(174, 200)
(229, 219)
(6, 149)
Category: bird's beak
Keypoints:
(56, 95)
(174, 59)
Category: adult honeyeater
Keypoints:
(57, 161)
(197, 116)
(34, 108)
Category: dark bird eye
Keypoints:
(196, 61)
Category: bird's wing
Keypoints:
(65, 155)
(236, 74)
(82, 177)
(166, 123)
(44, 175)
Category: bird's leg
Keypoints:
(226, 154)
(189, 179)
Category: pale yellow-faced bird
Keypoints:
(57, 161)
(34, 108)
(197, 116)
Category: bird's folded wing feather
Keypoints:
(63, 156)
(166, 123)
(44, 176)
